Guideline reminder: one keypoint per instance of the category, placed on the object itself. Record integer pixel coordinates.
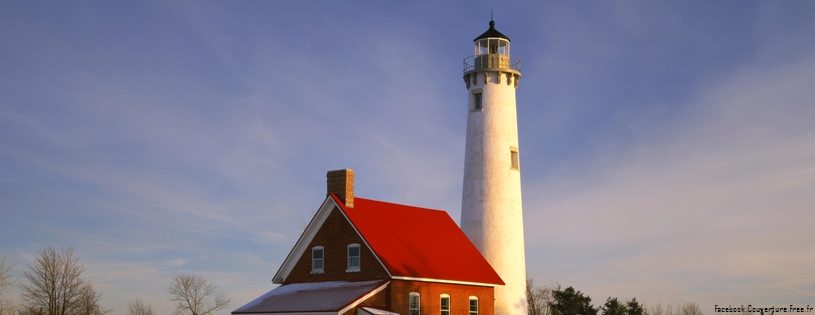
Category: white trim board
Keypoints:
(364, 297)
(447, 281)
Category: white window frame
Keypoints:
(356, 268)
(473, 312)
(314, 260)
(411, 309)
(442, 310)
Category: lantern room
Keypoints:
(491, 45)
(491, 52)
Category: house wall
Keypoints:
(335, 235)
(430, 297)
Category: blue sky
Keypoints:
(667, 149)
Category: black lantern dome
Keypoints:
(492, 32)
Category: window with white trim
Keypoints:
(353, 257)
(317, 259)
(473, 305)
(444, 304)
(414, 305)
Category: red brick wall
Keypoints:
(335, 235)
(430, 297)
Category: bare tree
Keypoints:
(29, 310)
(56, 288)
(678, 308)
(690, 308)
(6, 305)
(89, 302)
(139, 307)
(670, 310)
(658, 309)
(54, 285)
(195, 296)
(538, 298)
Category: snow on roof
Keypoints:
(309, 297)
(419, 243)
(376, 311)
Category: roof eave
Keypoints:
(480, 284)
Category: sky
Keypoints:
(667, 148)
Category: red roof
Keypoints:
(419, 243)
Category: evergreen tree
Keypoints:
(614, 307)
(635, 308)
(571, 302)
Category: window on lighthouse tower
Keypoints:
(513, 156)
(503, 47)
(481, 47)
(477, 99)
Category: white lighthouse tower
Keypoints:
(491, 211)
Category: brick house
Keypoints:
(361, 256)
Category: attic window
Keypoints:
(413, 304)
(317, 259)
(473, 305)
(445, 304)
(353, 258)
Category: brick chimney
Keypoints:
(341, 183)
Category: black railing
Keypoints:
(492, 61)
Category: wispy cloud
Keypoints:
(668, 143)
(720, 204)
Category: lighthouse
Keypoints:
(491, 210)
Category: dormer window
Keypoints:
(317, 259)
(353, 258)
